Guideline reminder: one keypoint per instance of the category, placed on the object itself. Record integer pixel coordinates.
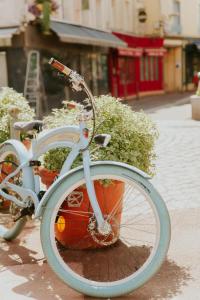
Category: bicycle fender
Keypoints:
(24, 155)
(61, 179)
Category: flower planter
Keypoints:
(71, 228)
(47, 176)
(27, 143)
(195, 104)
(7, 169)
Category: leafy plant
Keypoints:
(133, 135)
(10, 99)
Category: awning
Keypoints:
(136, 52)
(6, 36)
(173, 43)
(155, 52)
(84, 35)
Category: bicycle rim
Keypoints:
(118, 258)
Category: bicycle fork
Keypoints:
(102, 225)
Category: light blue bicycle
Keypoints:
(129, 237)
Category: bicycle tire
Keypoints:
(106, 288)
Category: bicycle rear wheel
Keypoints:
(9, 212)
(117, 262)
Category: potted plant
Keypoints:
(133, 137)
(10, 101)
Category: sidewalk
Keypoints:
(152, 103)
(25, 275)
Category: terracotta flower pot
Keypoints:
(7, 168)
(47, 176)
(27, 143)
(71, 229)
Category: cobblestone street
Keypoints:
(177, 179)
(178, 164)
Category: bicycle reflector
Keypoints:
(102, 139)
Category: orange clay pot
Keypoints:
(7, 168)
(47, 176)
(27, 143)
(71, 229)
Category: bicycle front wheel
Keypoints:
(123, 258)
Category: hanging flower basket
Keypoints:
(42, 10)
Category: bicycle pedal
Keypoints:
(27, 211)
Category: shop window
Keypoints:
(175, 16)
(131, 69)
(146, 68)
(122, 69)
(102, 74)
(99, 20)
(156, 68)
(127, 70)
(142, 68)
(86, 68)
(94, 66)
(149, 68)
(152, 74)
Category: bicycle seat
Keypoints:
(28, 126)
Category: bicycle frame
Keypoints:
(69, 136)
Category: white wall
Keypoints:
(11, 14)
(189, 16)
(115, 15)
(152, 25)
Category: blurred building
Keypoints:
(128, 48)
(178, 22)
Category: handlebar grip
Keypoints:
(59, 66)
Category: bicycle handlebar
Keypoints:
(78, 84)
(59, 66)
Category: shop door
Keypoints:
(151, 77)
(127, 80)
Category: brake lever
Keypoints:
(76, 81)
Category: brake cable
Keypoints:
(90, 97)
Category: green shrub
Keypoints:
(9, 98)
(133, 135)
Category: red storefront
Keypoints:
(137, 69)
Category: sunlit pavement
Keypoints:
(24, 273)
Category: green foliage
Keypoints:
(10, 99)
(133, 134)
(46, 17)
